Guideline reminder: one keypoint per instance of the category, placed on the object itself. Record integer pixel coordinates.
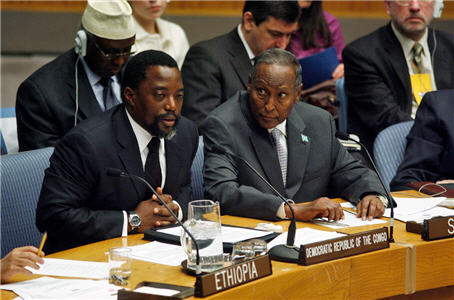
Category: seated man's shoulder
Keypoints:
(53, 70)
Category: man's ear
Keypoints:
(387, 7)
(299, 90)
(129, 96)
(248, 21)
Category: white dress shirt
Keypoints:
(250, 54)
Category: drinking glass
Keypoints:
(260, 246)
(204, 223)
(120, 260)
(242, 251)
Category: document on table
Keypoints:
(350, 220)
(72, 268)
(418, 209)
(230, 234)
(53, 288)
(161, 253)
(305, 236)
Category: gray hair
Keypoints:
(280, 57)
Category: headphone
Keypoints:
(438, 8)
(80, 43)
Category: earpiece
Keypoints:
(438, 8)
(80, 43)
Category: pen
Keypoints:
(43, 240)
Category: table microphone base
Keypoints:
(284, 253)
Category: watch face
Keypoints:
(135, 221)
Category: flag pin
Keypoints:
(304, 138)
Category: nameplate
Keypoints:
(351, 244)
(433, 229)
(235, 275)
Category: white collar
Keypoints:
(282, 127)
(250, 54)
(143, 137)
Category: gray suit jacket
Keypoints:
(45, 103)
(212, 72)
(317, 167)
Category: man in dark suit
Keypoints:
(214, 70)
(429, 155)
(310, 164)
(378, 68)
(52, 101)
(145, 136)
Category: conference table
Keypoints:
(410, 268)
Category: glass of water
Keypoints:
(242, 251)
(260, 246)
(204, 223)
(120, 260)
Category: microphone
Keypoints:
(344, 136)
(288, 252)
(113, 172)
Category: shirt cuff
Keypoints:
(281, 210)
(383, 199)
(124, 231)
(180, 212)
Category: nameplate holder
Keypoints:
(349, 245)
(234, 275)
(433, 229)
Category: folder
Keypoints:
(318, 67)
(433, 189)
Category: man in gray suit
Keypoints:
(216, 69)
(304, 161)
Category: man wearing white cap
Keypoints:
(80, 83)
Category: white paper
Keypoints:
(53, 288)
(156, 291)
(350, 220)
(408, 206)
(161, 253)
(305, 236)
(72, 268)
(425, 215)
(230, 234)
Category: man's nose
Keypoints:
(282, 41)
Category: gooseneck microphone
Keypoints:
(288, 252)
(344, 136)
(113, 172)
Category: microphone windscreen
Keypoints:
(114, 172)
(342, 135)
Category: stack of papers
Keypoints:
(72, 268)
(418, 209)
(305, 236)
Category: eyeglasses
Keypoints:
(407, 2)
(112, 56)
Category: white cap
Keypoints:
(109, 19)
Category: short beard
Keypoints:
(156, 131)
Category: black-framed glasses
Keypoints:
(112, 56)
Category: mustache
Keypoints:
(167, 115)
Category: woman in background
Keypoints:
(156, 33)
(318, 30)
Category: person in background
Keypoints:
(216, 69)
(429, 155)
(19, 258)
(155, 33)
(317, 31)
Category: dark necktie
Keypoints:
(107, 94)
(416, 62)
(152, 166)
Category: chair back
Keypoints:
(8, 131)
(343, 105)
(22, 175)
(389, 149)
(198, 191)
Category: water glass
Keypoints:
(242, 251)
(120, 260)
(204, 223)
(260, 246)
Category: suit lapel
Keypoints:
(298, 146)
(239, 58)
(128, 153)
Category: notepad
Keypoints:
(319, 67)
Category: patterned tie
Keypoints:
(281, 153)
(107, 93)
(152, 166)
(416, 62)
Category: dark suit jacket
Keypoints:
(316, 168)
(45, 103)
(80, 204)
(377, 81)
(430, 149)
(212, 72)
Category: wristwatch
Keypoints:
(134, 221)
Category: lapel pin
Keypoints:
(304, 138)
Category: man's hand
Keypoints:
(319, 208)
(16, 261)
(338, 72)
(370, 207)
(166, 197)
(153, 214)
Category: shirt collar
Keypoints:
(250, 54)
(282, 127)
(143, 137)
(94, 78)
(407, 43)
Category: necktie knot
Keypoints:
(108, 96)
(153, 145)
(417, 51)
(276, 133)
(105, 82)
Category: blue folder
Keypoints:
(318, 67)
